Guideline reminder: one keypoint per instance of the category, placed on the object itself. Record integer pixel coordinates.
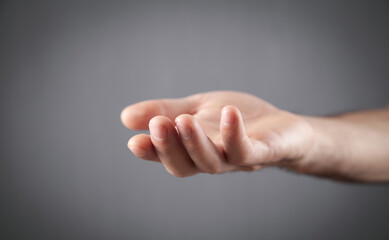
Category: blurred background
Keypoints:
(67, 68)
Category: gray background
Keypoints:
(69, 67)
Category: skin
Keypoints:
(218, 132)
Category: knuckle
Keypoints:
(229, 135)
(213, 169)
(252, 168)
(239, 161)
(272, 143)
(179, 174)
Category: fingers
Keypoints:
(169, 148)
(200, 148)
(240, 149)
(137, 116)
(142, 147)
(190, 151)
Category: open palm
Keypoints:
(216, 132)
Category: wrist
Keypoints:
(328, 151)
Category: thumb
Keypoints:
(138, 115)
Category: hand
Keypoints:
(216, 132)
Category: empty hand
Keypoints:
(216, 132)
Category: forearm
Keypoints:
(352, 146)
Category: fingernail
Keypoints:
(140, 152)
(158, 132)
(185, 131)
(227, 118)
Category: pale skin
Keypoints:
(218, 132)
